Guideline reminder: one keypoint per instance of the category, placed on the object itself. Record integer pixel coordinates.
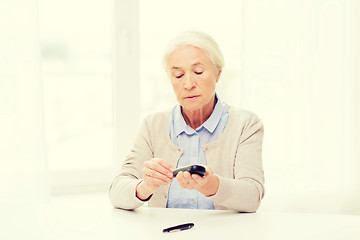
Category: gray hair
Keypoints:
(199, 40)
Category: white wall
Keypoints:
(299, 76)
(22, 149)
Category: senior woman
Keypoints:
(199, 130)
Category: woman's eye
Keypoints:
(179, 76)
(198, 72)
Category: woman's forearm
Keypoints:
(243, 195)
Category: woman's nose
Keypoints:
(189, 82)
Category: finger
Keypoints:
(191, 181)
(207, 169)
(154, 183)
(155, 165)
(181, 179)
(165, 164)
(187, 176)
(198, 181)
(185, 181)
(164, 168)
(150, 175)
(160, 176)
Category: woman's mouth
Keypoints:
(192, 96)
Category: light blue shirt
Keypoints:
(191, 141)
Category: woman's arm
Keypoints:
(245, 191)
(122, 192)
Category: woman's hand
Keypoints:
(156, 172)
(207, 185)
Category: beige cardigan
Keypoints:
(236, 157)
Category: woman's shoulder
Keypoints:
(243, 115)
(244, 121)
(158, 118)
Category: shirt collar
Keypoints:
(180, 125)
(210, 124)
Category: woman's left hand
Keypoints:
(207, 185)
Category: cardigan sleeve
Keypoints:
(122, 192)
(245, 190)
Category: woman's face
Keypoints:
(193, 77)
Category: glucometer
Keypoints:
(192, 169)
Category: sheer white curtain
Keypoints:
(22, 149)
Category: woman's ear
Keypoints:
(218, 75)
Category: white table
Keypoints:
(86, 218)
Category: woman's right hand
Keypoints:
(156, 172)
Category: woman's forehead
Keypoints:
(196, 64)
(188, 55)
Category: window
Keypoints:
(76, 50)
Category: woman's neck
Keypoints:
(196, 118)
